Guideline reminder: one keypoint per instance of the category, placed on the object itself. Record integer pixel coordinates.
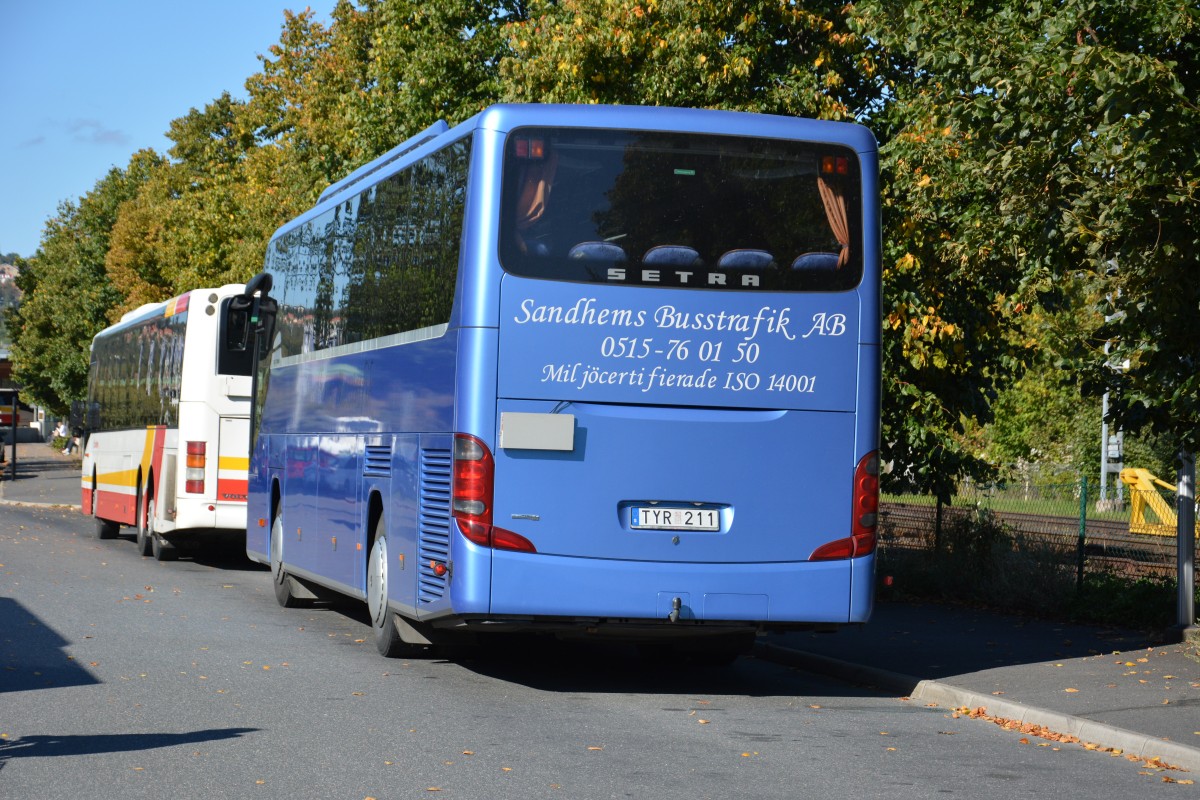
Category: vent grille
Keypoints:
(433, 545)
(378, 461)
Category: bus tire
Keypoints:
(383, 620)
(161, 549)
(284, 588)
(145, 530)
(106, 529)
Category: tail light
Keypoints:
(194, 477)
(471, 497)
(864, 516)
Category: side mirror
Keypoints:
(251, 316)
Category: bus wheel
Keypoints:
(383, 619)
(161, 549)
(283, 582)
(106, 529)
(145, 531)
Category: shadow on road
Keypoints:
(31, 653)
(81, 745)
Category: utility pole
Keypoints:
(1185, 514)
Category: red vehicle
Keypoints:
(9, 409)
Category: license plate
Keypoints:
(657, 518)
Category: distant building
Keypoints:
(8, 273)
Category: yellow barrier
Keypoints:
(1144, 496)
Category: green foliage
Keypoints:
(67, 294)
(1059, 146)
(1141, 603)
(754, 55)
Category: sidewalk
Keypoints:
(1112, 688)
(45, 476)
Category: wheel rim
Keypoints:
(147, 515)
(277, 548)
(377, 582)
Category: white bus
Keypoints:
(167, 426)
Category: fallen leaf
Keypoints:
(702, 721)
(595, 748)
(1071, 690)
(1023, 740)
(468, 752)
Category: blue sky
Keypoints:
(84, 84)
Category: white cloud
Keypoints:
(91, 131)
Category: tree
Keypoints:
(1030, 147)
(753, 55)
(67, 294)
(428, 62)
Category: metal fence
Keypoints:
(1061, 524)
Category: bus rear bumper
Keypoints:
(816, 593)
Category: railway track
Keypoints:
(1108, 544)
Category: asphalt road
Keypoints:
(123, 677)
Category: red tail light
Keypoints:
(864, 516)
(471, 497)
(194, 477)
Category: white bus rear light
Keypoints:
(194, 476)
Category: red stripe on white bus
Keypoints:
(231, 490)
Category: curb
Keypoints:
(71, 506)
(950, 696)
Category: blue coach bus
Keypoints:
(580, 369)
